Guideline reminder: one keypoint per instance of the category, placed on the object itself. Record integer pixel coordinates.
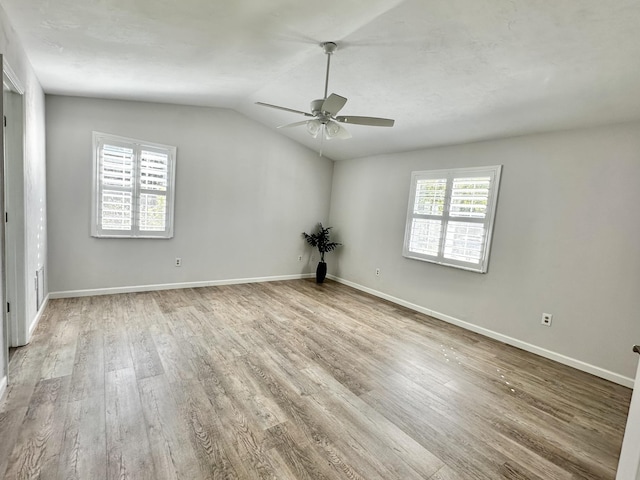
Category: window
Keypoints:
(450, 216)
(133, 188)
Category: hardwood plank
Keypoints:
(87, 378)
(321, 353)
(171, 450)
(216, 460)
(146, 360)
(268, 328)
(127, 444)
(10, 426)
(324, 433)
(243, 436)
(24, 374)
(452, 444)
(117, 353)
(352, 411)
(292, 371)
(446, 473)
(36, 451)
(83, 453)
(89, 313)
(61, 350)
(173, 355)
(511, 418)
(299, 457)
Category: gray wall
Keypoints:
(35, 207)
(565, 240)
(244, 194)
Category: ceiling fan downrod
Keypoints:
(329, 48)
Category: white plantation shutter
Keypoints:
(154, 175)
(116, 181)
(450, 216)
(425, 236)
(133, 188)
(430, 195)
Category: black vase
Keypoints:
(321, 272)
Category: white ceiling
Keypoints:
(447, 71)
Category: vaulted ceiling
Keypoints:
(447, 71)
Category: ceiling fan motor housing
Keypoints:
(316, 106)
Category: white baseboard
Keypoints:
(543, 352)
(3, 387)
(172, 286)
(37, 318)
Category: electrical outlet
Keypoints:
(178, 262)
(377, 272)
(546, 319)
(299, 258)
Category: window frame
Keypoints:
(99, 139)
(494, 172)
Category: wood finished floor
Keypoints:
(291, 380)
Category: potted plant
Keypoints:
(321, 240)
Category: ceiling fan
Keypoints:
(324, 110)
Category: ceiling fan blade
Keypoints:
(284, 108)
(333, 104)
(372, 121)
(295, 124)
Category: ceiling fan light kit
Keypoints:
(324, 110)
(313, 127)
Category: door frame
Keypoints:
(4, 354)
(629, 464)
(13, 197)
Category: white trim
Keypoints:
(37, 318)
(543, 352)
(14, 231)
(446, 218)
(3, 387)
(12, 81)
(173, 286)
(138, 147)
(629, 463)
